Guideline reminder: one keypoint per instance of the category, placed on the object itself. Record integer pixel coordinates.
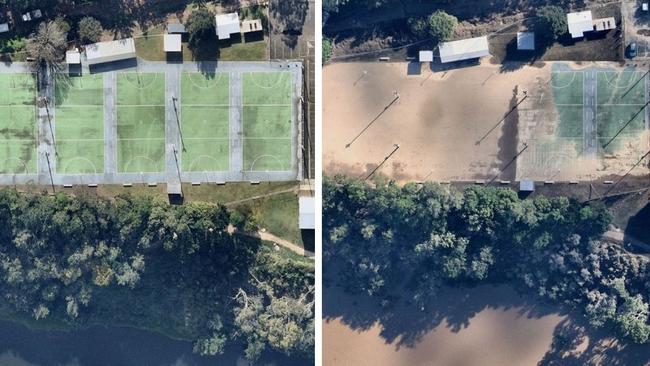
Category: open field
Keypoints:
(485, 325)
(18, 132)
(267, 111)
(552, 121)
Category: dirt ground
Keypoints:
(485, 325)
(450, 125)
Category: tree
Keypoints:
(47, 45)
(200, 27)
(552, 22)
(327, 49)
(90, 30)
(418, 26)
(442, 25)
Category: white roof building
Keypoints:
(526, 41)
(465, 49)
(579, 23)
(227, 24)
(426, 56)
(173, 43)
(307, 213)
(604, 24)
(4, 27)
(102, 52)
(73, 57)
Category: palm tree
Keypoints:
(47, 46)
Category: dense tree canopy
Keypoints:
(80, 260)
(90, 30)
(442, 25)
(553, 22)
(384, 236)
(200, 26)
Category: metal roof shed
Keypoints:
(579, 23)
(307, 213)
(173, 43)
(102, 52)
(227, 24)
(176, 28)
(526, 186)
(426, 56)
(464, 49)
(526, 41)
(4, 27)
(73, 57)
(254, 25)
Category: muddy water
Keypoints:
(486, 325)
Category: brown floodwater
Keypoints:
(485, 325)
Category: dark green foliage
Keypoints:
(327, 49)
(139, 261)
(442, 25)
(382, 237)
(552, 22)
(89, 30)
(418, 26)
(201, 27)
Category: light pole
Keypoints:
(384, 161)
(178, 123)
(49, 169)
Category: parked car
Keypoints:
(632, 50)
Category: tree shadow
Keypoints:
(289, 18)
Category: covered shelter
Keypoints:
(604, 24)
(526, 41)
(111, 51)
(425, 56)
(173, 43)
(465, 49)
(250, 26)
(227, 24)
(527, 186)
(73, 57)
(307, 213)
(580, 23)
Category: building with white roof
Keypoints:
(464, 49)
(227, 24)
(251, 25)
(118, 50)
(307, 213)
(173, 43)
(73, 57)
(425, 56)
(579, 23)
(4, 27)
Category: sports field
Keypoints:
(140, 122)
(18, 128)
(569, 98)
(266, 120)
(620, 114)
(205, 114)
(79, 127)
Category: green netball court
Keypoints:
(79, 128)
(619, 100)
(205, 114)
(140, 122)
(266, 120)
(18, 132)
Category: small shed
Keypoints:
(580, 23)
(307, 213)
(4, 27)
(425, 56)
(604, 24)
(227, 24)
(465, 49)
(173, 43)
(73, 57)
(526, 41)
(527, 186)
(102, 52)
(36, 14)
(644, 6)
(249, 26)
(176, 28)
